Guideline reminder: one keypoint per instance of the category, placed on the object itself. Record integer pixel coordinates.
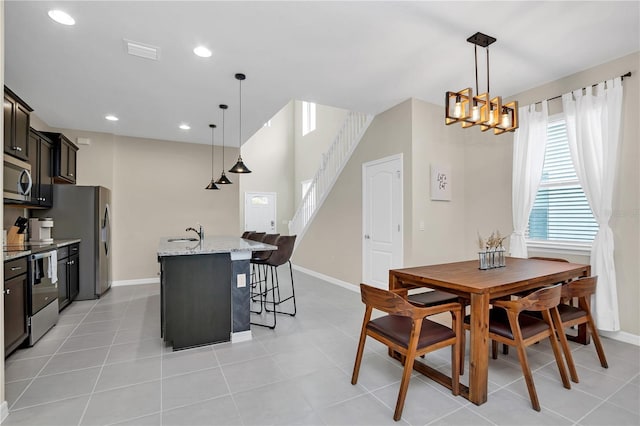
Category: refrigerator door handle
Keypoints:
(105, 229)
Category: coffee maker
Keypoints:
(40, 230)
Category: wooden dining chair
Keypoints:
(430, 298)
(407, 330)
(508, 326)
(581, 289)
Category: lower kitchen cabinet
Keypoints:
(68, 274)
(15, 304)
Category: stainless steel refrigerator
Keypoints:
(83, 212)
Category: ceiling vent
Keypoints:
(142, 50)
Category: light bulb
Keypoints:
(506, 120)
(491, 117)
(457, 110)
(475, 113)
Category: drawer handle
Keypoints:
(17, 148)
(71, 174)
(7, 291)
(16, 268)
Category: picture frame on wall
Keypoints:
(440, 182)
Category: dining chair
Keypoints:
(508, 325)
(581, 289)
(430, 298)
(246, 234)
(407, 330)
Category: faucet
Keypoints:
(200, 233)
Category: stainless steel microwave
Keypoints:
(17, 180)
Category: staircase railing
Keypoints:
(333, 161)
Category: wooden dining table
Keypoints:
(478, 287)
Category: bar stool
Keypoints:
(259, 270)
(279, 257)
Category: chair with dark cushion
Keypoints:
(279, 257)
(407, 330)
(271, 289)
(259, 270)
(508, 324)
(582, 289)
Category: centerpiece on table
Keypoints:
(491, 252)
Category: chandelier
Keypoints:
(483, 110)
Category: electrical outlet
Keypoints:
(241, 280)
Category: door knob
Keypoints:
(366, 236)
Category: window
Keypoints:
(308, 117)
(560, 212)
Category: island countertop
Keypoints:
(210, 245)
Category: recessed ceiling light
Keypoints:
(202, 51)
(61, 17)
(111, 117)
(185, 126)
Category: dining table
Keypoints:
(478, 287)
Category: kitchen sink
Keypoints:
(182, 240)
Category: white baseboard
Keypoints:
(621, 336)
(4, 411)
(136, 282)
(328, 279)
(241, 336)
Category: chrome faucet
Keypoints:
(200, 234)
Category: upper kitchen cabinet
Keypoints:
(16, 125)
(41, 160)
(64, 158)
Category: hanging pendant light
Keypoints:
(490, 113)
(239, 166)
(212, 184)
(224, 180)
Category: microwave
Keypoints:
(17, 180)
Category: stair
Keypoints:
(333, 161)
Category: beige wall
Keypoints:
(333, 243)
(444, 232)
(159, 191)
(273, 167)
(310, 147)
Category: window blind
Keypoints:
(560, 211)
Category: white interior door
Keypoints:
(382, 219)
(260, 212)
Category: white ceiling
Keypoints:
(362, 56)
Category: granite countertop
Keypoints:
(15, 252)
(210, 245)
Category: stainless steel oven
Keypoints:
(17, 181)
(43, 294)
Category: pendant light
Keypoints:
(212, 184)
(224, 180)
(490, 113)
(239, 166)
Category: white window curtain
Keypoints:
(593, 129)
(529, 144)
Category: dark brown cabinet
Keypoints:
(68, 274)
(17, 118)
(41, 160)
(64, 158)
(15, 304)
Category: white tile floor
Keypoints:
(105, 363)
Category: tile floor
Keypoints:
(105, 363)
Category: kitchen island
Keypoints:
(204, 292)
